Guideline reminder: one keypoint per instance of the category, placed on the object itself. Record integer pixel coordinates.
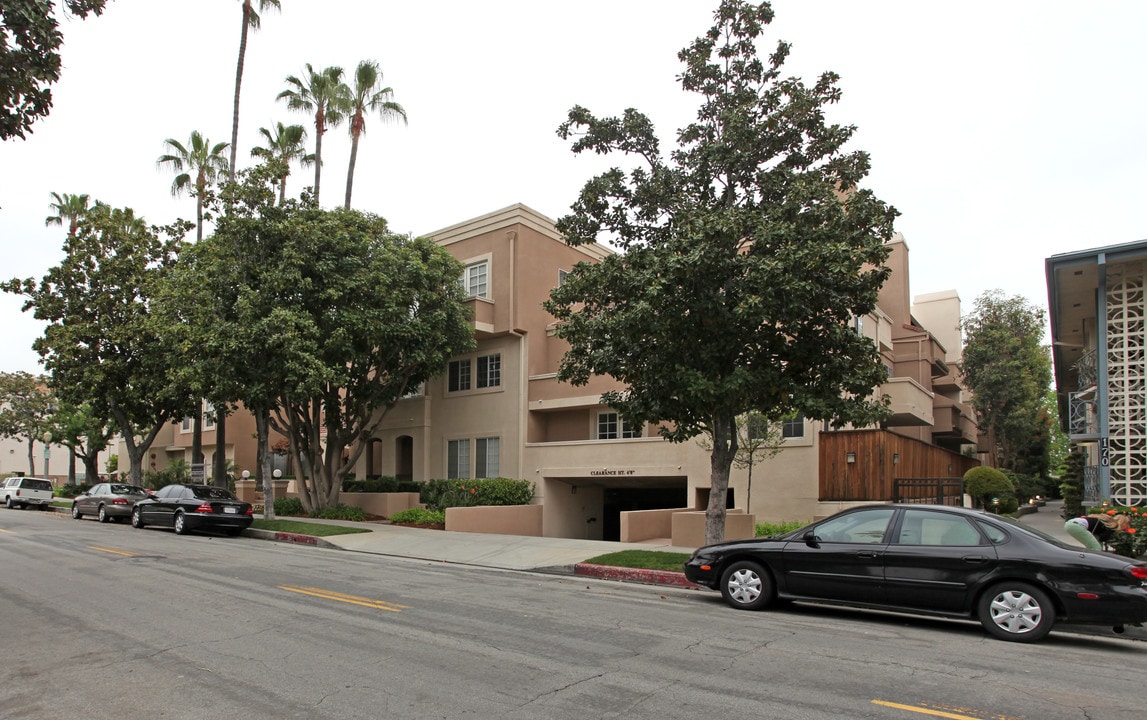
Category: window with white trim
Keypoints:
(489, 370)
(208, 416)
(562, 275)
(793, 427)
(459, 375)
(458, 459)
(475, 279)
(611, 427)
(486, 458)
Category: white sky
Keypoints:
(1002, 132)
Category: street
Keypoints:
(105, 621)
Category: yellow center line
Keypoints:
(114, 552)
(5, 531)
(342, 597)
(925, 711)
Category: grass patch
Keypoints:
(305, 528)
(642, 560)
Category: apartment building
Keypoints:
(500, 411)
(1097, 310)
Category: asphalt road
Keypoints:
(104, 621)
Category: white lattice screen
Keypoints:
(1127, 387)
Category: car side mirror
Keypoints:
(811, 539)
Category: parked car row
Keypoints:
(935, 560)
(182, 507)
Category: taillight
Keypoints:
(250, 510)
(119, 501)
(1139, 572)
(204, 508)
(17, 492)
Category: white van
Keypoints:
(25, 491)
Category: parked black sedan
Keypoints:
(194, 507)
(931, 559)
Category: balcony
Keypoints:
(954, 423)
(911, 404)
(1087, 370)
(1083, 420)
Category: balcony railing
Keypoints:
(1087, 369)
(1091, 485)
(1082, 418)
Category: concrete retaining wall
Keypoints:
(689, 527)
(500, 520)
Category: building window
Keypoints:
(186, 427)
(475, 279)
(757, 426)
(490, 370)
(458, 459)
(858, 324)
(486, 460)
(459, 375)
(611, 427)
(208, 416)
(562, 275)
(793, 427)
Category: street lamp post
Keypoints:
(47, 438)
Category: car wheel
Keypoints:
(8, 502)
(1016, 611)
(746, 585)
(180, 524)
(103, 514)
(76, 515)
(136, 518)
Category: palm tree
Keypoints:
(284, 145)
(206, 161)
(250, 20)
(68, 207)
(324, 94)
(367, 97)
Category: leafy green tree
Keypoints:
(101, 345)
(285, 145)
(744, 255)
(1071, 484)
(251, 21)
(325, 95)
(328, 320)
(1059, 444)
(367, 97)
(69, 208)
(986, 484)
(30, 41)
(197, 166)
(84, 433)
(757, 441)
(25, 409)
(1008, 370)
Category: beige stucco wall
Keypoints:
(502, 520)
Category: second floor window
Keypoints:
(611, 427)
(793, 427)
(489, 373)
(475, 279)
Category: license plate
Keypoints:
(230, 510)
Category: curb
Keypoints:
(648, 577)
(287, 537)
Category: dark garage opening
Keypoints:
(618, 500)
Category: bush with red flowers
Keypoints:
(1132, 543)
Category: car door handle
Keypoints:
(867, 554)
(975, 559)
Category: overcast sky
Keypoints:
(1003, 132)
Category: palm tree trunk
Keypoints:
(238, 83)
(318, 153)
(283, 190)
(350, 168)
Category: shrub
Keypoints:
(985, 483)
(441, 494)
(419, 516)
(341, 512)
(1071, 485)
(383, 484)
(767, 529)
(71, 491)
(288, 506)
(176, 472)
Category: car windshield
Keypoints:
(206, 492)
(127, 490)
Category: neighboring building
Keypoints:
(1097, 309)
(499, 411)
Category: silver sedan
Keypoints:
(108, 501)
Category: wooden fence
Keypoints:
(864, 465)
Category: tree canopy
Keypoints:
(30, 41)
(1008, 370)
(101, 345)
(319, 321)
(25, 409)
(744, 254)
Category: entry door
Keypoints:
(842, 559)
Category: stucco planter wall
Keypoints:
(689, 527)
(381, 504)
(499, 520)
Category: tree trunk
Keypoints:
(320, 127)
(238, 83)
(350, 168)
(720, 462)
(91, 468)
(220, 472)
(263, 460)
(197, 434)
(31, 457)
